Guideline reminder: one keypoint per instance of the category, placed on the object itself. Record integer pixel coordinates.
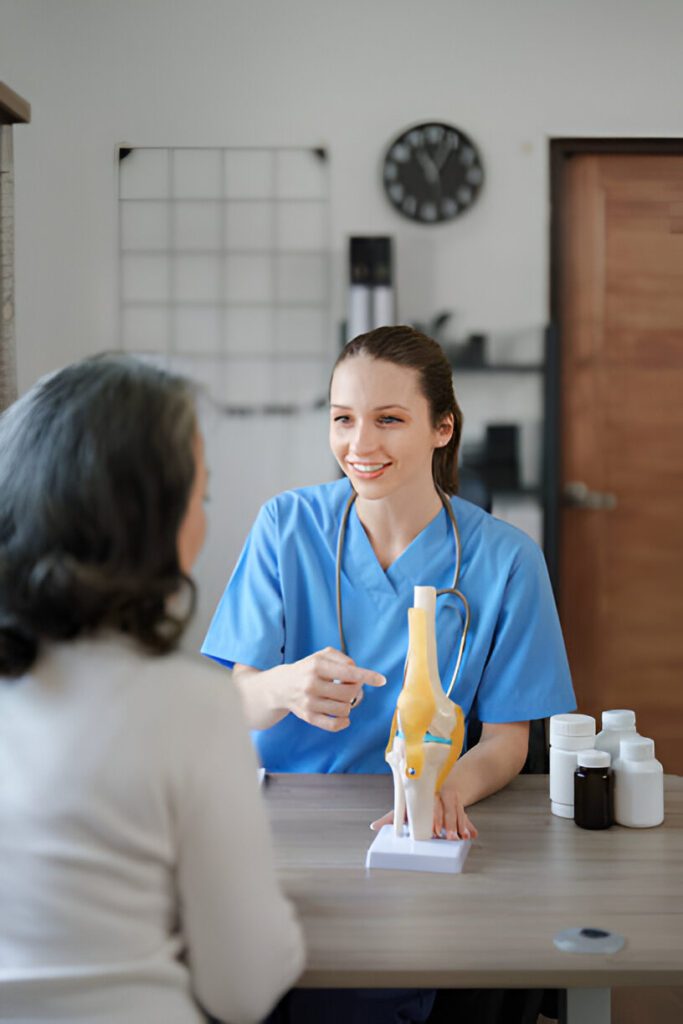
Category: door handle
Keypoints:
(577, 494)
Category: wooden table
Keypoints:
(527, 877)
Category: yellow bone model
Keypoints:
(416, 704)
(427, 730)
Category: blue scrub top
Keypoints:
(280, 606)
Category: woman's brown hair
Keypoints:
(96, 469)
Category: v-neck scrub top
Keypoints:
(280, 606)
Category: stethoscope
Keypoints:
(447, 590)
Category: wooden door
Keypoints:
(621, 323)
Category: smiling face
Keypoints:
(381, 431)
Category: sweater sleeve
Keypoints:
(245, 946)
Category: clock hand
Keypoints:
(431, 171)
(442, 154)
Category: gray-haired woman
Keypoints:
(136, 880)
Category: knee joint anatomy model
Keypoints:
(425, 741)
(428, 728)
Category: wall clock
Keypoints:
(432, 172)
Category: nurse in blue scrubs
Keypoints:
(319, 682)
(394, 429)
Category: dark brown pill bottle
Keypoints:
(593, 790)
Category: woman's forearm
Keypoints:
(320, 689)
(262, 695)
(493, 762)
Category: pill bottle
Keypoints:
(638, 784)
(568, 734)
(593, 790)
(616, 725)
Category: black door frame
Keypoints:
(561, 151)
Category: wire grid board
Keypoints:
(225, 267)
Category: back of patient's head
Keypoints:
(96, 469)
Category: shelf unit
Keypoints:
(496, 367)
(540, 494)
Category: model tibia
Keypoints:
(416, 795)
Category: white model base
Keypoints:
(390, 851)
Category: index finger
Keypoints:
(356, 674)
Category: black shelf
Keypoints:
(517, 492)
(497, 367)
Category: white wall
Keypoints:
(349, 75)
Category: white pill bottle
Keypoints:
(616, 726)
(568, 734)
(638, 784)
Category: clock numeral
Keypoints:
(467, 156)
(400, 153)
(390, 172)
(465, 195)
(474, 175)
(449, 207)
(416, 138)
(397, 191)
(409, 205)
(435, 134)
(428, 211)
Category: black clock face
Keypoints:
(432, 173)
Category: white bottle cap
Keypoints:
(593, 759)
(636, 748)
(571, 725)
(621, 719)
